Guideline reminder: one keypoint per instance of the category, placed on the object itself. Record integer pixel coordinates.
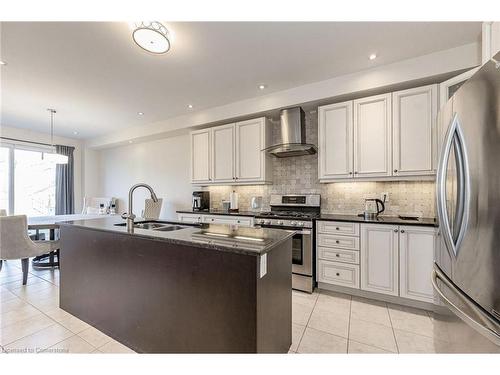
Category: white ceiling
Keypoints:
(98, 79)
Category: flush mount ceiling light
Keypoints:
(2, 62)
(151, 36)
(373, 56)
(140, 113)
(52, 155)
(190, 106)
(262, 86)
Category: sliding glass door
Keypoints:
(27, 184)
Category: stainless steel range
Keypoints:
(296, 212)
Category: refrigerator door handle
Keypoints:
(454, 138)
(487, 327)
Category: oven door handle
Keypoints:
(307, 232)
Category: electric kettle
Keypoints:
(373, 207)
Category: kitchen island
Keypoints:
(180, 289)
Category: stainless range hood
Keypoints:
(293, 135)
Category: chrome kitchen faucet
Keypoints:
(129, 216)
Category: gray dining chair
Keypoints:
(16, 244)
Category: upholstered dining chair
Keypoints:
(16, 244)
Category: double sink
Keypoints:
(162, 226)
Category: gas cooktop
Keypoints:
(289, 215)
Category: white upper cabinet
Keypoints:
(379, 258)
(250, 159)
(414, 123)
(201, 156)
(335, 152)
(223, 153)
(384, 137)
(231, 154)
(372, 136)
(416, 257)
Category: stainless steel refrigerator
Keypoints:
(466, 274)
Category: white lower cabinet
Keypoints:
(245, 221)
(392, 260)
(342, 274)
(379, 258)
(228, 220)
(416, 255)
(189, 218)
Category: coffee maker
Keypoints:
(201, 200)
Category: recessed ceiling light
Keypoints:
(75, 133)
(2, 62)
(373, 56)
(262, 87)
(140, 113)
(190, 106)
(151, 36)
(130, 141)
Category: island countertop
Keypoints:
(229, 238)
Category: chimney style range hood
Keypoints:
(293, 135)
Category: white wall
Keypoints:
(29, 135)
(463, 57)
(163, 164)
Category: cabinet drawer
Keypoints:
(338, 273)
(338, 227)
(338, 255)
(230, 220)
(342, 242)
(189, 218)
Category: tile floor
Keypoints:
(323, 322)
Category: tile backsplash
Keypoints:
(299, 175)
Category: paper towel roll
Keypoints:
(233, 199)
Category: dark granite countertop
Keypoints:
(235, 239)
(219, 212)
(395, 220)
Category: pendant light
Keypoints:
(52, 155)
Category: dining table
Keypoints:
(51, 223)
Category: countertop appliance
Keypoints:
(293, 135)
(373, 207)
(296, 212)
(466, 272)
(201, 200)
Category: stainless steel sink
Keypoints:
(149, 225)
(158, 226)
(169, 228)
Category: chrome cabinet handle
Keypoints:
(395, 171)
(402, 230)
(396, 231)
(490, 329)
(337, 241)
(350, 172)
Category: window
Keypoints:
(28, 181)
(4, 178)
